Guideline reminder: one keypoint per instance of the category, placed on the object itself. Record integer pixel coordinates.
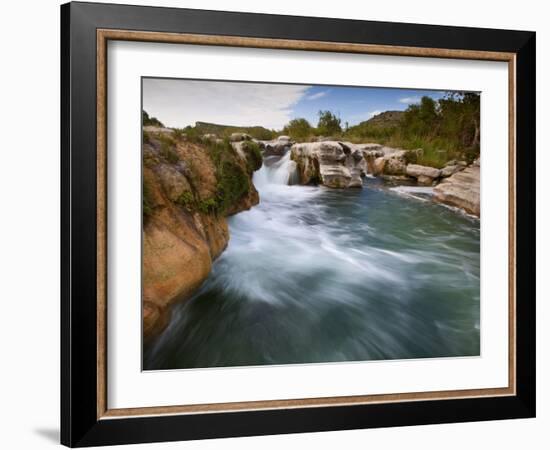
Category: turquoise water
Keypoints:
(313, 275)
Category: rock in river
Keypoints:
(330, 163)
(425, 175)
(461, 190)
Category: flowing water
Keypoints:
(314, 274)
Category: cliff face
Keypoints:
(188, 191)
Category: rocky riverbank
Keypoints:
(339, 164)
(189, 188)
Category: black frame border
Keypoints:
(79, 423)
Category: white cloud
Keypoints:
(374, 113)
(178, 103)
(317, 95)
(409, 100)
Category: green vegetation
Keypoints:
(253, 155)
(146, 137)
(233, 181)
(150, 121)
(298, 129)
(186, 200)
(444, 129)
(329, 124)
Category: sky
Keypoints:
(178, 103)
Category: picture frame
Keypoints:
(86, 418)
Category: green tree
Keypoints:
(298, 129)
(329, 124)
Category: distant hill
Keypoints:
(378, 128)
(257, 132)
(386, 119)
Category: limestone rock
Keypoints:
(333, 164)
(396, 163)
(461, 190)
(417, 171)
(278, 146)
(449, 170)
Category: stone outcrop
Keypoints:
(389, 162)
(330, 163)
(186, 199)
(461, 190)
(424, 175)
(278, 146)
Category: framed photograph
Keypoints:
(276, 224)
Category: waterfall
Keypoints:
(276, 171)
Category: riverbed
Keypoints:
(314, 275)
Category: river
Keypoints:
(313, 274)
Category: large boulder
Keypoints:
(331, 163)
(396, 163)
(461, 190)
(424, 174)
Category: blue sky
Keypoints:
(355, 105)
(178, 103)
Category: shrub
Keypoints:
(186, 200)
(208, 205)
(254, 158)
(298, 129)
(329, 124)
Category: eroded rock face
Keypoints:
(330, 163)
(185, 227)
(461, 190)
